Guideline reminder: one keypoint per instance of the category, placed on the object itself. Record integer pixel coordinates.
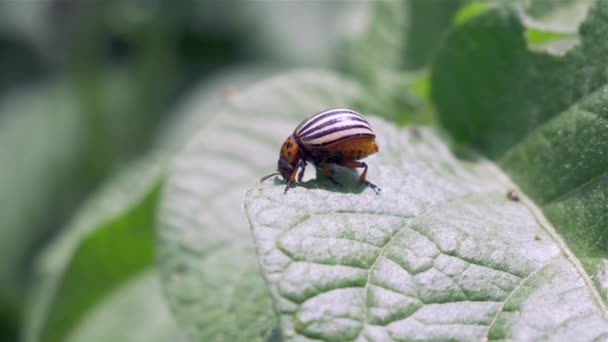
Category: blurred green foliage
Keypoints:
(547, 131)
(85, 87)
(97, 97)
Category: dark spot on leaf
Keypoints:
(415, 132)
(537, 238)
(512, 195)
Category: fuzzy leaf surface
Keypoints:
(440, 254)
(207, 257)
(542, 117)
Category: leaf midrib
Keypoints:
(369, 272)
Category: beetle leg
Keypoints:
(291, 182)
(329, 173)
(301, 175)
(355, 164)
(292, 178)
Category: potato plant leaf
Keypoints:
(396, 36)
(542, 117)
(441, 254)
(133, 312)
(110, 240)
(207, 258)
(41, 144)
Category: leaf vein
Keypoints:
(515, 289)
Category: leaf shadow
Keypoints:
(348, 178)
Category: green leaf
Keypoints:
(108, 241)
(47, 166)
(441, 254)
(133, 312)
(541, 117)
(41, 146)
(551, 25)
(396, 38)
(374, 57)
(382, 42)
(402, 34)
(429, 21)
(206, 255)
(203, 102)
(295, 32)
(558, 15)
(521, 88)
(111, 238)
(470, 10)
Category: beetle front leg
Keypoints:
(362, 178)
(291, 182)
(301, 175)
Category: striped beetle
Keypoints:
(334, 136)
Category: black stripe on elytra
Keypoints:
(326, 113)
(332, 130)
(314, 130)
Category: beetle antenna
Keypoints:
(270, 175)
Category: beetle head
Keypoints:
(288, 159)
(285, 169)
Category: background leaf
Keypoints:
(45, 145)
(202, 103)
(440, 254)
(299, 33)
(541, 117)
(41, 146)
(142, 301)
(111, 239)
(561, 15)
(89, 86)
(202, 232)
(373, 54)
(107, 243)
(429, 22)
(396, 40)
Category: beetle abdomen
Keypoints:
(331, 126)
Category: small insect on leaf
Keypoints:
(337, 136)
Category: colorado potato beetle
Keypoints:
(337, 136)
